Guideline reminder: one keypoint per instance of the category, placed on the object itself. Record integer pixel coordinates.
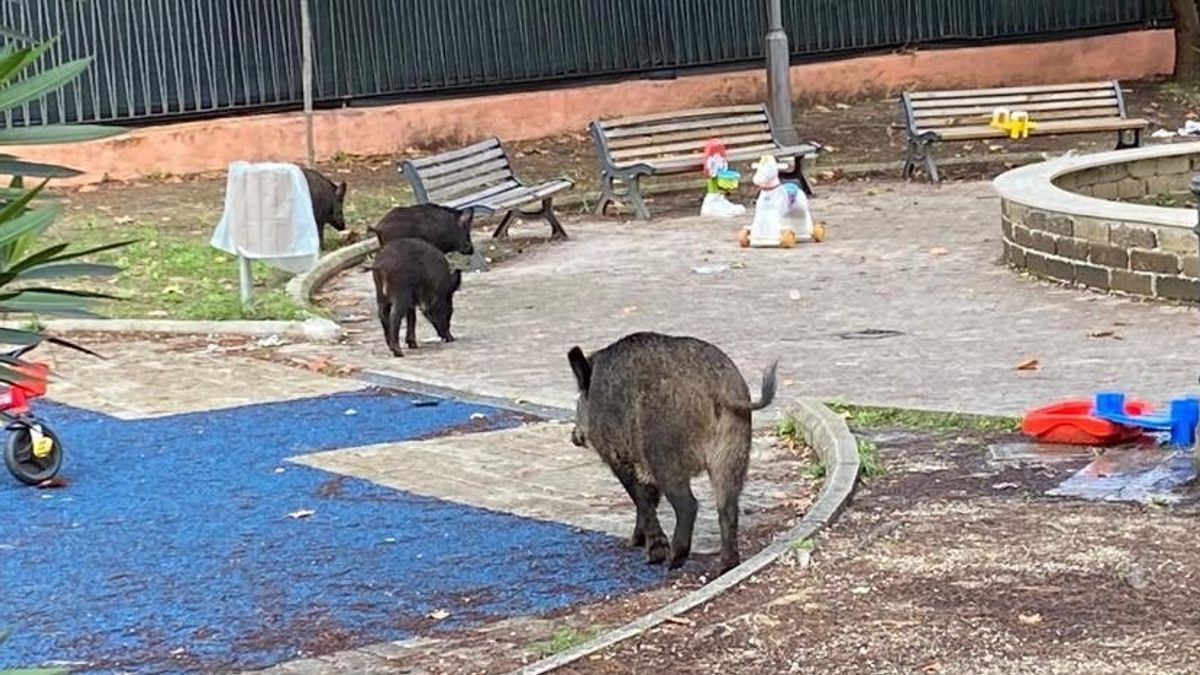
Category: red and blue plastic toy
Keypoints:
(1110, 419)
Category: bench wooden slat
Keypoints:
(1045, 129)
(456, 154)
(1030, 108)
(697, 135)
(1012, 100)
(1048, 88)
(731, 142)
(461, 165)
(493, 166)
(480, 195)
(726, 111)
(492, 178)
(714, 125)
(970, 120)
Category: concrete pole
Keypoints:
(779, 87)
(306, 69)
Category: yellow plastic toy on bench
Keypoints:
(1016, 123)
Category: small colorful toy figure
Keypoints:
(1016, 123)
(720, 179)
(781, 215)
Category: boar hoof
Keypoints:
(656, 550)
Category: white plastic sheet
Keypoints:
(268, 216)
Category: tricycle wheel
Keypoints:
(24, 465)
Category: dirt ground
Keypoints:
(952, 564)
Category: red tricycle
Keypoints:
(33, 453)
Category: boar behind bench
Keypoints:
(659, 410)
(411, 274)
(448, 229)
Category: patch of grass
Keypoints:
(565, 638)
(869, 463)
(172, 274)
(922, 420)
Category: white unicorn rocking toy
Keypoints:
(781, 215)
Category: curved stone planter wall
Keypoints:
(1059, 222)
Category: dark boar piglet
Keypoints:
(447, 229)
(411, 274)
(328, 202)
(659, 410)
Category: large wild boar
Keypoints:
(448, 229)
(659, 410)
(328, 202)
(411, 274)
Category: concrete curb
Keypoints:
(315, 329)
(827, 433)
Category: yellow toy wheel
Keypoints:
(818, 233)
(743, 238)
(787, 239)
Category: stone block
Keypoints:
(1177, 288)
(1173, 166)
(1105, 191)
(1143, 168)
(1160, 262)
(1189, 266)
(1022, 235)
(1076, 249)
(1091, 229)
(1016, 256)
(1110, 256)
(1135, 283)
(1043, 241)
(1035, 263)
(1131, 188)
(1130, 236)
(1092, 276)
(1057, 268)
(1176, 239)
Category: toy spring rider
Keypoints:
(720, 180)
(1111, 418)
(1016, 123)
(33, 453)
(781, 215)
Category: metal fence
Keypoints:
(169, 59)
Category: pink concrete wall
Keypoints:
(211, 145)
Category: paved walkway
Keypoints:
(912, 258)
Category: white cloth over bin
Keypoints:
(269, 216)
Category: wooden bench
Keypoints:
(673, 143)
(964, 114)
(480, 177)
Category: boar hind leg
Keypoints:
(647, 531)
(727, 487)
(679, 493)
(410, 329)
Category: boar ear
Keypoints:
(581, 368)
(457, 280)
(465, 217)
(341, 190)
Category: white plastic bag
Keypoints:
(268, 216)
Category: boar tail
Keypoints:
(766, 396)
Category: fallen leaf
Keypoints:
(438, 614)
(1029, 619)
(300, 513)
(1029, 364)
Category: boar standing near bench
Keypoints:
(659, 410)
(411, 274)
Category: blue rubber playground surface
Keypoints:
(172, 550)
